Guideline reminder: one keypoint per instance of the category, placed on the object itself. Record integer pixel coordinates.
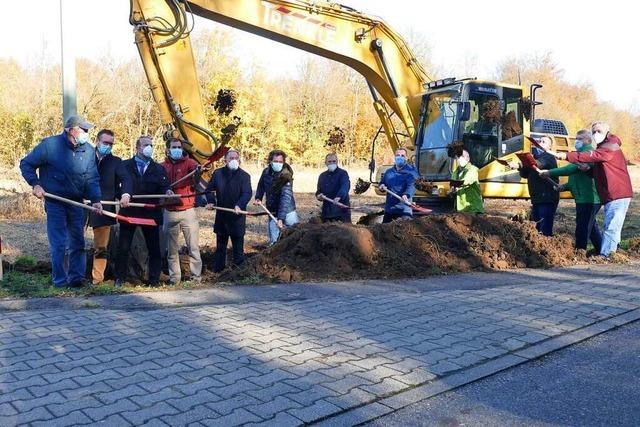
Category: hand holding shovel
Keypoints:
(121, 218)
(278, 223)
(405, 201)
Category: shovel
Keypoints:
(410, 204)
(270, 214)
(172, 196)
(216, 155)
(121, 218)
(168, 203)
(343, 206)
(218, 208)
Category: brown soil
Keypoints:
(414, 248)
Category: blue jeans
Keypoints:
(614, 214)
(587, 227)
(274, 231)
(64, 223)
(542, 214)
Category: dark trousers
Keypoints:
(220, 257)
(542, 214)
(388, 217)
(151, 238)
(587, 227)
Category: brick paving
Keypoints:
(282, 362)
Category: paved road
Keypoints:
(594, 383)
(336, 358)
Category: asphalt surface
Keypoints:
(594, 383)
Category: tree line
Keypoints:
(326, 107)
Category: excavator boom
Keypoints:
(362, 42)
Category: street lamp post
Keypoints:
(69, 106)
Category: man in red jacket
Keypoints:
(612, 182)
(182, 217)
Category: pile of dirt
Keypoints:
(414, 248)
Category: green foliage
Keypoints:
(25, 261)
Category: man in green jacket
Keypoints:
(584, 192)
(468, 196)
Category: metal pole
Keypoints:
(69, 106)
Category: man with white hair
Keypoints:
(232, 187)
(612, 182)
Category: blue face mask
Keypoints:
(276, 166)
(401, 161)
(83, 138)
(104, 149)
(536, 151)
(175, 153)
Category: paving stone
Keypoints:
(319, 409)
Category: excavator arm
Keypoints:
(364, 43)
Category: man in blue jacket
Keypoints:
(232, 187)
(400, 179)
(334, 183)
(66, 168)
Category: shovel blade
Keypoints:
(136, 221)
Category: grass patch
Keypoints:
(17, 284)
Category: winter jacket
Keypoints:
(468, 196)
(176, 169)
(232, 188)
(109, 187)
(334, 184)
(278, 188)
(581, 185)
(402, 182)
(540, 190)
(609, 169)
(153, 181)
(63, 169)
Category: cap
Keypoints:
(78, 121)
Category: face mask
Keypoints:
(332, 166)
(233, 164)
(401, 161)
(104, 149)
(579, 144)
(599, 137)
(83, 138)
(175, 153)
(147, 151)
(462, 162)
(276, 166)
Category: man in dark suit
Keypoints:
(107, 165)
(232, 187)
(140, 176)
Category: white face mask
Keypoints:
(332, 166)
(233, 164)
(147, 151)
(462, 162)
(599, 137)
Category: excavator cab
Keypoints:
(486, 116)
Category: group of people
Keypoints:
(598, 176)
(66, 165)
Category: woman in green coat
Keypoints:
(584, 192)
(468, 196)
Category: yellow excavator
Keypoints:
(492, 119)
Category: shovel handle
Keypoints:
(341, 205)
(218, 208)
(410, 204)
(270, 214)
(78, 204)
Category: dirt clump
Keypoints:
(419, 247)
(225, 101)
